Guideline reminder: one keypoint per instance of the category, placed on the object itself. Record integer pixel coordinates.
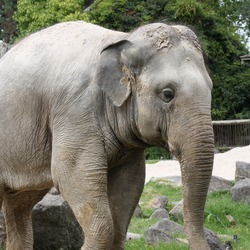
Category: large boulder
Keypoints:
(219, 184)
(241, 190)
(54, 225)
(242, 170)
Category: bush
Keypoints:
(157, 153)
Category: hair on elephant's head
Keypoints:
(160, 71)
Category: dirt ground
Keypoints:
(224, 165)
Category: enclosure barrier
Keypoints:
(231, 133)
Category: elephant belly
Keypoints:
(25, 166)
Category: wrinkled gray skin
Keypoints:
(80, 103)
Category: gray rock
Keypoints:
(159, 213)
(219, 184)
(132, 236)
(55, 226)
(241, 190)
(163, 231)
(177, 211)
(138, 212)
(154, 236)
(242, 170)
(168, 227)
(213, 240)
(158, 202)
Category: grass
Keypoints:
(151, 161)
(219, 206)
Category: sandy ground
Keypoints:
(224, 165)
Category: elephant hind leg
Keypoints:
(17, 209)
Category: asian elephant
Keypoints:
(78, 106)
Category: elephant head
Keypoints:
(157, 74)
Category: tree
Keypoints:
(215, 24)
(33, 15)
(7, 24)
(125, 15)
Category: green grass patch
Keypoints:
(151, 161)
(142, 245)
(219, 205)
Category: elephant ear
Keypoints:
(113, 75)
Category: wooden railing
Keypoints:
(231, 133)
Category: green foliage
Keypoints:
(125, 15)
(33, 15)
(141, 244)
(214, 22)
(7, 24)
(157, 153)
(231, 95)
(220, 205)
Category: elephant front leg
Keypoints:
(84, 187)
(125, 185)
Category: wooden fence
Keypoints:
(231, 133)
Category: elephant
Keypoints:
(79, 105)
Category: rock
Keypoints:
(54, 225)
(154, 236)
(158, 202)
(177, 211)
(242, 170)
(169, 227)
(163, 231)
(219, 184)
(213, 240)
(138, 212)
(241, 190)
(132, 236)
(159, 213)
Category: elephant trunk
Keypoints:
(195, 153)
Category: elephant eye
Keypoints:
(168, 95)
